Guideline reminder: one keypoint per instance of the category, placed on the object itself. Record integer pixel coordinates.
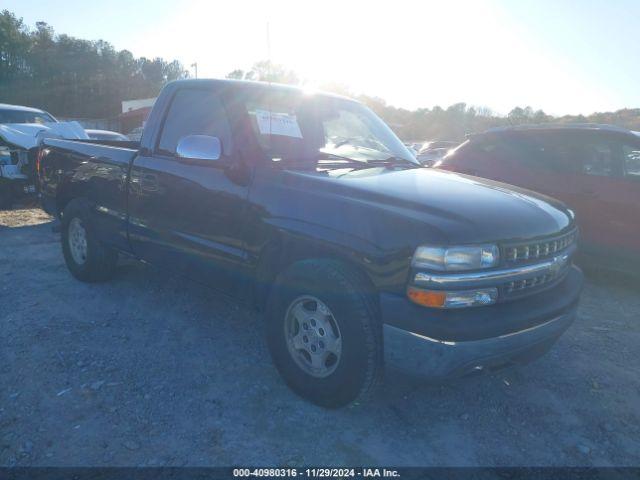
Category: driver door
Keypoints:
(189, 216)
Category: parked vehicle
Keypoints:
(411, 148)
(135, 134)
(431, 152)
(21, 130)
(20, 114)
(106, 135)
(594, 169)
(309, 207)
(414, 147)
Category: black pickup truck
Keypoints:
(310, 208)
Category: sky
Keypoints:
(562, 56)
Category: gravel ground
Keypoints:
(150, 370)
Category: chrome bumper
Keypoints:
(426, 357)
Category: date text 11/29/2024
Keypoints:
(316, 472)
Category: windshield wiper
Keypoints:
(344, 163)
(343, 142)
(394, 161)
(347, 162)
(333, 156)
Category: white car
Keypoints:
(431, 152)
(106, 135)
(21, 131)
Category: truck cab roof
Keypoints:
(249, 85)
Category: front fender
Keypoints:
(292, 240)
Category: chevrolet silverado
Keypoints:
(307, 206)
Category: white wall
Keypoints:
(128, 105)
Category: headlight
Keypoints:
(456, 258)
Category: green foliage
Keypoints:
(460, 119)
(266, 71)
(452, 123)
(80, 78)
(68, 76)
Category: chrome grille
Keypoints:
(526, 286)
(520, 285)
(544, 248)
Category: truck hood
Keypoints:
(453, 208)
(30, 135)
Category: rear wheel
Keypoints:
(323, 333)
(87, 258)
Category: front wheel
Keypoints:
(87, 258)
(323, 333)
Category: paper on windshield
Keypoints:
(273, 123)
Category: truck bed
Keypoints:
(113, 149)
(97, 171)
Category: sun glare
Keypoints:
(440, 53)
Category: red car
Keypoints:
(594, 169)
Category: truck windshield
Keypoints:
(295, 126)
(22, 116)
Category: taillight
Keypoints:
(39, 156)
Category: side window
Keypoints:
(195, 112)
(551, 151)
(482, 146)
(631, 154)
(486, 147)
(598, 159)
(568, 152)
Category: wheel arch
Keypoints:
(67, 192)
(284, 250)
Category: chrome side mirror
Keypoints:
(199, 147)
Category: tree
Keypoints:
(14, 45)
(451, 123)
(236, 74)
(266, 71)
(73, 77)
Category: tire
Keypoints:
(99, 261)
(351, 315)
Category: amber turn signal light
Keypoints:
(427, 298)
(453, 299)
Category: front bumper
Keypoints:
(528, 328)
(17, 187)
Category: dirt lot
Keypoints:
(149, 370)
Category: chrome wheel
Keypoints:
(77, 241)
(313, 336)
